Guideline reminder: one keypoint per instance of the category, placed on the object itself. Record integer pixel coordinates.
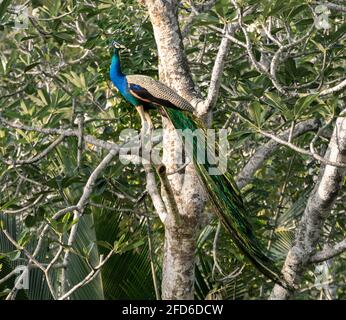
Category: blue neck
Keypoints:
(115, 69)
(119, 79)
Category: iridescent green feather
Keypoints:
(226, 198)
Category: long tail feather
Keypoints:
(227, 200)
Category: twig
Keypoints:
(215, 81)
(263, 152)
(21, 210)
(80, 120)
(276, 60)
(151, 254)
(92, 275)
(170, 202)
(270, 36)
(8, 276)
(334, 89)
(39, 156)
(154, 193)
(57, 17)
(302, 151)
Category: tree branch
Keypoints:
(263, 152)
(154, 192)
(216, 75)
(334, 89)
(88, 188)
(92, 274)
(39, 156)
(303, 151)
(329, 253)
(317, 210)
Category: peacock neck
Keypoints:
(115, 69)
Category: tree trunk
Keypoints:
(180, 231)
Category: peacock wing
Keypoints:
(149, 90)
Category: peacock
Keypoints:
(146, 93)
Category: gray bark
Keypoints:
(181, 232)
(316, 212)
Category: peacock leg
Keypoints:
(141, 112)
(147, 126)
(148, 119)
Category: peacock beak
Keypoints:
(117, 45)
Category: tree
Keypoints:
(271, 73)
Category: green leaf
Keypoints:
(31, 66)
(23, 237)
(291, 67)
(256, 112)
(105, 244)
(13, 255)
(275, 101)
(66, 218)
(30, 221)
(302, 104)
(64, 36)
(3, 6)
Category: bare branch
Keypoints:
(329, 253)
(270, 36)
(216, 74)
(8, 276)
(80, 120)
(276, 60)
(302, 151)
(25, 208)
(154, 192)
(228, 36)
(334, 89)
(91, 276)
(88, 188)
(39, 156)
(74, 133)
(332, 6)
(263, 152)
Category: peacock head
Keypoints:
(117, 46)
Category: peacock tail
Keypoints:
(226, 198)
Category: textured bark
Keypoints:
(316, 212)
(173, 65)
(180, 234)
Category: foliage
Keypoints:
(56, 69)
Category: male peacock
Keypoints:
(146, 93)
